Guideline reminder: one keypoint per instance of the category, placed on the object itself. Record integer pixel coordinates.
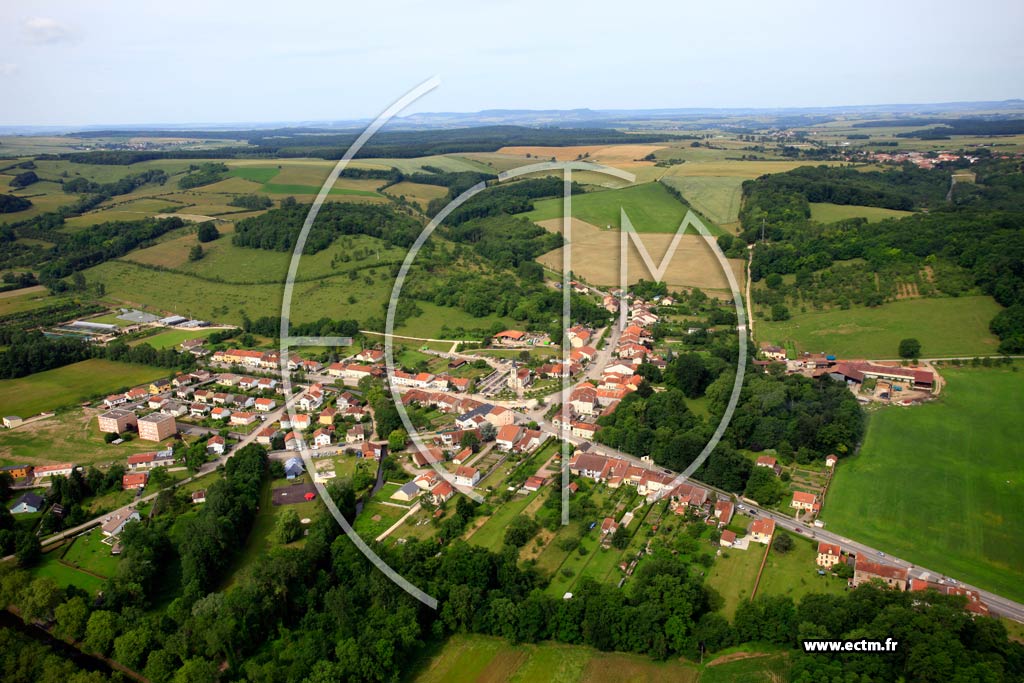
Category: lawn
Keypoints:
(942, 484)
(650, 208)
(492, 534)
(794, 574)
(88, 552)
(824, 212)
(465, 659)
(945, 326)
(733, 575)
(376, 518)
(70, 385)
(65, 576)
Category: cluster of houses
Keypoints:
(265, 360)
(37, 474)
(919, 159)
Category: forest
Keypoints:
(278, 229)
(979, 233)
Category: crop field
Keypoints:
(722, 167)
(651, 209)
(823, 212)
(446, 162)
(471, 659)
(45, 197)
(420, 193)
(70, 384)
(717, 197)
(942, 484)
(595, 258)
(945, 327)
(622, 156)
(71, 436)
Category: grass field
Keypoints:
(795, 574)
(27, 298)
(88, 552)
(173, 338)
(944, 326)
(595, 257)
(70, 384)
(823, 212)
(468, 659)
(717, 197)
(733, 575)
(942, 485)
(649, 206)
(71, 436)
(65, 576)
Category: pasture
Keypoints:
(945, 327)
(717, 197)
(470, 658)
(651, 209)
(70, 385)
(942, 484)
(595, 258)
(824, 212)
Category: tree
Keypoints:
(27, 549)
(101, 630)
(620, 539)
(470, 440)
(196, 671)
(196, 253)
(780, 312)
(288, 526)
(396, 440)
(520, 530)
(783, 543)
(71, 618)
(39, 601)
(488, 432)
(130, 648)
(910, 348)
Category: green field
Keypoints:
(717, 197)
(794, 574)
(650, 208)
(733, 575)
(823, 212)
(945, 326)
(942, 484)
(65, 576)
(467, 659)
(173, 338)
(70, 384)
(88, 552)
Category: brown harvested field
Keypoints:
(595, 258)
(612, 667)
(613, 155)
(420, 193)
(739, 169)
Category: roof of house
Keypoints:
(510, 334)
(801, 497)
(466, 471)
(728, 536)
(444, 489)
(886, 571)
(829, 549)
(30, 499)
(508, 433)
(762, 526)
(133, 479)
(767, 461)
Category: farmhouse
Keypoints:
(157, 427)
(894, 577)
(441, 493)
(27, 503)
(858, 371)
(117, 421)
(974, 603)
(772, 352)
(727, 539)
(47, 471)
(829, 555)
(510, 338)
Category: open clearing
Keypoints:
(945, 327)
(942, 484)
(824, 212)
(465, 659)
(595, 258)
(649, 206)
(70, 384)
(717, 197)
(68, 437)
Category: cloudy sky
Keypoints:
(119, 62)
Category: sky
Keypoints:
(67, 62)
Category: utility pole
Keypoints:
(762, 228)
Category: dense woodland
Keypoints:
(976, 239)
